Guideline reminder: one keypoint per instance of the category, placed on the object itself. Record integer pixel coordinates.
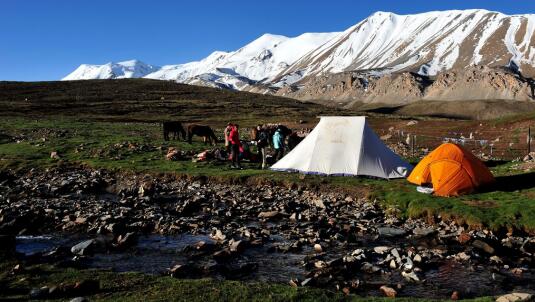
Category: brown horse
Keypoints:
(203, 131)
(175, 128)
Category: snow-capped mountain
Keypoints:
(384, 43)
(428, 43)
(258, 61)
(120, 70)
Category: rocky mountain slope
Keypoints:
(386, 58)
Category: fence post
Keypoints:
(529, 140)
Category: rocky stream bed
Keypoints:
(195, 228)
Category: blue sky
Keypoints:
(46, 40)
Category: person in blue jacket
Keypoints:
(278, 143)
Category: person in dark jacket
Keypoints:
(262, 141)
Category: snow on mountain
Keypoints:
(120, 70)
(427, 43)
(260, 60)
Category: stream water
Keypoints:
(154, 254)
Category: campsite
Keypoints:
(100, 187)
(274, 151)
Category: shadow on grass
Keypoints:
(514, 182)
(495, 163)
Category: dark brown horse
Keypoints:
(175, 128)
(203, 131)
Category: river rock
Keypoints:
(411, 276)
(390, 231)
(127, 240)
(84, 248)
(237, 246)
(515, 297)
(381, 249)
(423, 232)
(483, 246)
(218, 235)
(39, 293)
(79, 299)
(268, 214)
(388, 291)
(464, 238)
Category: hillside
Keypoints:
(148, 100)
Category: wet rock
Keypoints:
(462, 256)
(483, 246)
(183, 271)
(388, 291)
(39, 293)
(222, 255)
(218, 235)
(410, 276)
(127, 240)
(237, 246)
(369, 268)
(84, 248)
(381, 249)
(424, 232)
(203, 246)
(79, 299)
(390, 231)
(464, 238)
(319, 203)
(318, 248)
(515, 297)
(268, 214)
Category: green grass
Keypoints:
(142, 287)
(94, 144)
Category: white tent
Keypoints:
(343, 145)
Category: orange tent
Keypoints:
(452, 170)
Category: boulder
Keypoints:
(515, 297)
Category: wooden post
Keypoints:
(529, 140)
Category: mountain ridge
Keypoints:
(384, 43)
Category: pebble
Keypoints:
(388, 291)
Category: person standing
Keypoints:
(234, 140)
(262, 141)
(226, 133)
(278, 143)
